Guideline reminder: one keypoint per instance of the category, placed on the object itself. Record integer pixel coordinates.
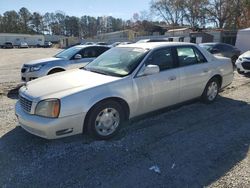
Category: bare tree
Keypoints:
(195, 12)
(219, 12)
(169, 10)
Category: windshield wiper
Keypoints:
(83, 68)
(97, 71)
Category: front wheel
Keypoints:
(211, 91)
(105, 120)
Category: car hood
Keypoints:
(64, 83)
(246, 54)
(44, 61)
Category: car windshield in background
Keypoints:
(67, 54)
(117, 61)
(208, 47)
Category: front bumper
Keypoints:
(50, 128)
(28, 76)
(243, 67)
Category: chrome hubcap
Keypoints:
(212, 91)
(107, 121)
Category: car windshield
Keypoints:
(117, 61)
(68, 53)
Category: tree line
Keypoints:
(228, 14)
(58, 23)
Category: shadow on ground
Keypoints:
(193, 145)
(13, 93)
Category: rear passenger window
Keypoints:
(200, 57)
(189, 56)
(163, 58)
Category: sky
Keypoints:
(117, 8)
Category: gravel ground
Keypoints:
(193, 145)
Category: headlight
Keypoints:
(240, 59)
(35, 68)
(48, 108)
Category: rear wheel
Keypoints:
(105, 120)
(211, 91)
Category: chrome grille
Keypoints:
(246, 65)
(25, 104)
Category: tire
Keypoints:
(240, 72)
(211, 91)
(105, 120)
(53, 71)
(233, 59)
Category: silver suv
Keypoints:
(74, 57)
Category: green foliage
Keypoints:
(57, 23)
(231, 14)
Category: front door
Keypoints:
(161, 89)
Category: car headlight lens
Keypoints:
(240, 59)
(35, 68)
(48, 108)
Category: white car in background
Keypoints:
(243, 63)
(23, 45)
(124, 82)
(74, 57)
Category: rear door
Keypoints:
(161, 89)
(194, 72)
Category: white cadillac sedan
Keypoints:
(122, 83)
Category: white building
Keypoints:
(243, 40)
(16, 39)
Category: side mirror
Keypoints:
(78, 56)
(149, 70)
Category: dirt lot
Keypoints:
(194, 145)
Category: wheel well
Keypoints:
(55, 70)
(219, 78)
(122, 102)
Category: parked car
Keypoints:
(89, 43)
(119, 43)
(222, 49)
(47, 44)
(23, 45)
(122, 83)
(73, 57)
(75, 44)
(243, 63)
(102, 43)
(8, 45)
(153, 40)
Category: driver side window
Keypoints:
(163, 58)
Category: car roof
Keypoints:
(215, 43)
(95, 45)
(152, 45)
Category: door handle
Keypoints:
(171, 78)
